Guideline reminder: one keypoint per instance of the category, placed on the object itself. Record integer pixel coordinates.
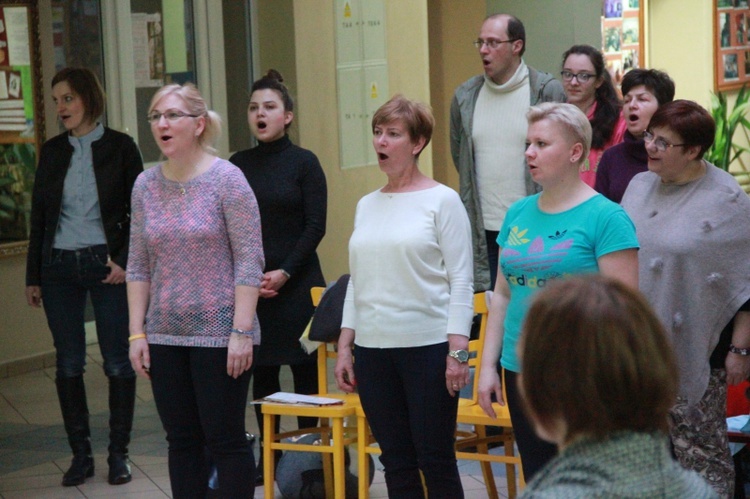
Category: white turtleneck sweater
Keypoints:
(499, 139)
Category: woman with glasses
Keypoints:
(588, 86)
(693, 222)
(566, 229)
(194, 273)
(291, 189)
(644, 90)
(78, 246)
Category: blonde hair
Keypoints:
(196, 105)
(572, 119)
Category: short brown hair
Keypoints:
(694, 125)
(596, 357)
(86, 85)
(417, 116)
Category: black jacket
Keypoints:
(117, 163)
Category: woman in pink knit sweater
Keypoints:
(195, 268)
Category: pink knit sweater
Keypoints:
(194, 242)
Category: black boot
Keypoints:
(121, 406)
(75, 411)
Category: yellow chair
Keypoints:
(331, 427)
(473, 414)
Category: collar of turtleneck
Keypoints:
(519, 78)
(635, 147)
(277, 145)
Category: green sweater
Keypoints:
(626, 465)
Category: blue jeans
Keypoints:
(66, 278)
(412, 417)
(201, 406)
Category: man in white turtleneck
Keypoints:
(488, 135)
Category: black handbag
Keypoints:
(326, 322)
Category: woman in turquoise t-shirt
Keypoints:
(566, 229)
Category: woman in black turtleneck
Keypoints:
(290, 187)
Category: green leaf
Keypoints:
(7, 202)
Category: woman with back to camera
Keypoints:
(290, 186)
(693, 222)
(589, 87)
(408, 309)
(78, 245)
(599, 378)
(566, 229)
(644, 90)
(196, 265)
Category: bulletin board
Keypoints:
(622, 36)
(731, 44)
(21, 119)
(21, 109)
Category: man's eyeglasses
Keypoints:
(492, 44)
(581, 77)
(660, 144)
(169, 115)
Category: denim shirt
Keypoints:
(80, 222)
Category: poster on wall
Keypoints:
(148, 49)
(731, 44)
(622, 46)
(16, 99)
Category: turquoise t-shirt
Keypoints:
(537, 246)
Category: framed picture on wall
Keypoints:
(731, 44)
(622, 36)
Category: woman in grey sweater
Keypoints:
(693, 223)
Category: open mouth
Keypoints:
(64, 117)
(262, 125)
(382, 156)
(633, 118)
(165, 138)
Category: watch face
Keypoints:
(460, 355)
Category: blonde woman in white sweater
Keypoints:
(408, 309)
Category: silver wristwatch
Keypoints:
(460, 355)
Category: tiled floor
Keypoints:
(34, 451)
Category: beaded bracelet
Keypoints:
(739, 351)
(136, 337)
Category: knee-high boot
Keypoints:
(75, 412)
(121, 406)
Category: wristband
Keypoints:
(286, 274)
(739, 351)
(243, 332)
(136, 337)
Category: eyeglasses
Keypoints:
(492, 44)
(169, 115)
(660, 144)
(581, 77)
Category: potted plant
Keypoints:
(724, 151)
(17, 168)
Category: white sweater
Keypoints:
(410, 258)
(499, 140)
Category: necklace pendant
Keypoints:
(182, 190)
